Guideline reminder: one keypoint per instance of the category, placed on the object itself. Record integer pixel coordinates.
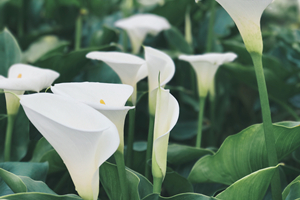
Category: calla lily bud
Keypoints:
(109, 99)
(21, 78)
(130, 68)
(138, 26)
(166, 116)
(83, 137)
(206, 66)
(158, 63)
(246, 15)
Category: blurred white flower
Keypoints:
(138, 26)
(130, 68)
(158, 63)
(206, 66)
(246, 15)
(109, 99)
(83, 137)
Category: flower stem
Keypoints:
(129, 154)
(212, 107)
(119, 157)
(157, 182)
(200, 121)
(8, 137)
(78, 32)
(149, 146)
(188, 26)
(267, 123)
(210, 32)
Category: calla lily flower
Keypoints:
(130, 68)
(138, 26)
(158, 63)
(109, 99)
(206, 66)
(166, 116)
(83, 137)
(21, 78)
(246, 15)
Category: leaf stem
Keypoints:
(157, 182)
(267, 123)
(200, 121)
(149, 146)
(129, 153)
(210, 32)
(8, 137)
(119, 157)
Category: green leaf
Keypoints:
(104, 36)
(175, 184)
(70, 64)
(244, 153)
(253, 186)
(294, 191)
(184, 196)
(10, 52)
(39, 196)
(286, 191)
(138, 185)
(180, 154)
(56, 164)
(177, 41)
(41, 148)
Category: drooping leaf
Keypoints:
(244, 153)
(287, 189)
(39, 196)
(183, 196)
(294, 191)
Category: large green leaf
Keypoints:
(10, 52)
(184, 196)
(244, 153)
(177, 41)
(180, 154)
(39, 196)
(294, 191)
(287, 189)
(70, 64)
(253, 186)
(138, 185)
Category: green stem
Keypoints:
(149, 146)
(119, 157)
(212, 107)
(21, 20)
(188, 27)
(157, 182)
(267, 123)
(200, 121)
(78, 32)
(210, 32)
(8, 137)
(129, 154)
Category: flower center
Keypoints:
(102, 102)
(19, 76)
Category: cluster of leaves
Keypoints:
(44, 37)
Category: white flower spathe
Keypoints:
(139, 25)
(109, 99)
(246, 15)
(83, 137)
(206, 66)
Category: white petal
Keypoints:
(83, 137)
(138, 26)
(127, 66)
(247, 14)
(30, 78)
(206, 66)
(166, 116)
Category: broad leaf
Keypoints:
(287, 189)
(39, 196)
(294, 191)
(177, 41)
(184, 196)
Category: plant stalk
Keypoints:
(200, 121)
(129, 153)
(149, 146)
(78, 32)
(8, 137)
(188, 26)
(119, 157)
(267, 123)
(210, 32)
(157, 182)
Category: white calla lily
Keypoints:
(246, 15)
(206, 66)
(83, 137)
(158, 63)
(139, 25)
(130, 68)
(109, 99)
(166, 116)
